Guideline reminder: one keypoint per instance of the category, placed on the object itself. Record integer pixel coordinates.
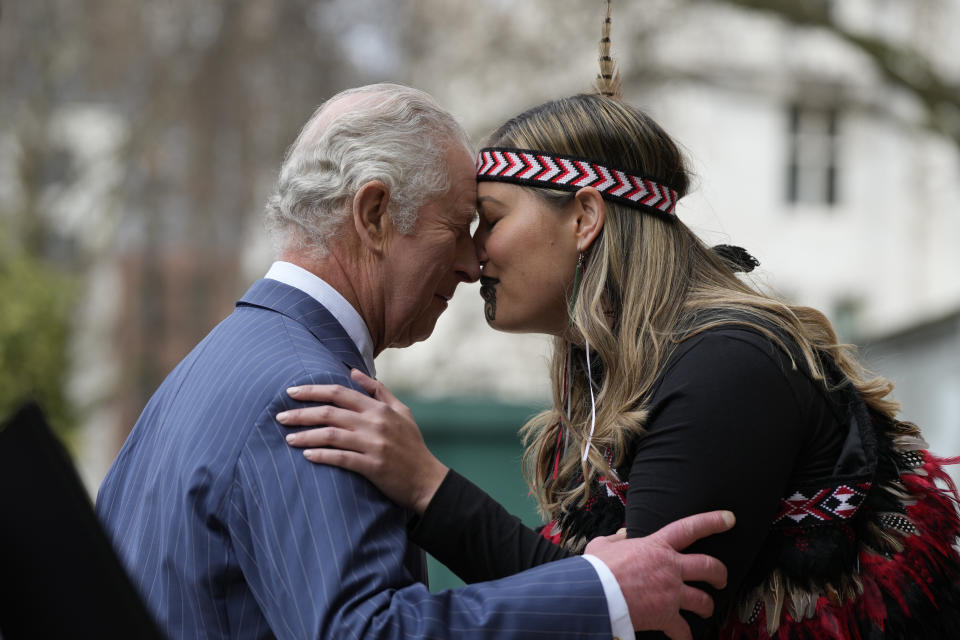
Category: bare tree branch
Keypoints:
(903, 67)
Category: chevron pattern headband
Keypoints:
(570, 173)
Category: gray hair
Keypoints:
(393, 133)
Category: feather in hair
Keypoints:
(608, 80)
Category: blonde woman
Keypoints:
(677, 389)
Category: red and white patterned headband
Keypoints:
(570, 173)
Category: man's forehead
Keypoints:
(465, 215)
(464, 210)
(463, 184)
(456, 210)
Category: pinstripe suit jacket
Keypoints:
(230, 533)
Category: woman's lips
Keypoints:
(487, 290)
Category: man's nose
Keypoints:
(467, 265)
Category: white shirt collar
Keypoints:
(312, 285)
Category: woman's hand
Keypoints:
(373, 436)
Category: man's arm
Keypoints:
(323, 550)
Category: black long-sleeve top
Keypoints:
(732, 425)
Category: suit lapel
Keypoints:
(300, 307)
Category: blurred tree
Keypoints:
(34, 337)
(36, 282)
(212, 92)
(208, 95)
(902, 65)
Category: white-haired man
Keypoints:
(229, 533)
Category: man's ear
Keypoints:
(370, 217)
(591, 213)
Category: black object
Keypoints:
(738, 258)
(59, 574)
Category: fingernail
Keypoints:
(729, 519)
(308, 453)
(292, 391)
(283, 416)
(291, 437)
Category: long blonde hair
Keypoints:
(649, 284)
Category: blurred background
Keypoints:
(139, 141)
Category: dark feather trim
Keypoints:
(601, 516)
(894, 572)
(737, 258)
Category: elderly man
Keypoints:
(229, 533)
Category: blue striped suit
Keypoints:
(230, 533)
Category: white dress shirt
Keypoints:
(314, 286)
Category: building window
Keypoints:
(847, 315)
(812, 164)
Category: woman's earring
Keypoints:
(577, 275)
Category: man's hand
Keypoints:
(652, 573)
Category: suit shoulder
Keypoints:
(260, 336)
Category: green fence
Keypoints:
(478, 438)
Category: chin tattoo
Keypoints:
(490, 310)
(489, 294)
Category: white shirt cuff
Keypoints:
(620, 624)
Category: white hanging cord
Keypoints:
(569, 384)
(593, 406)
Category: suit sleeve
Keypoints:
(475, 537)
(323, 550)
